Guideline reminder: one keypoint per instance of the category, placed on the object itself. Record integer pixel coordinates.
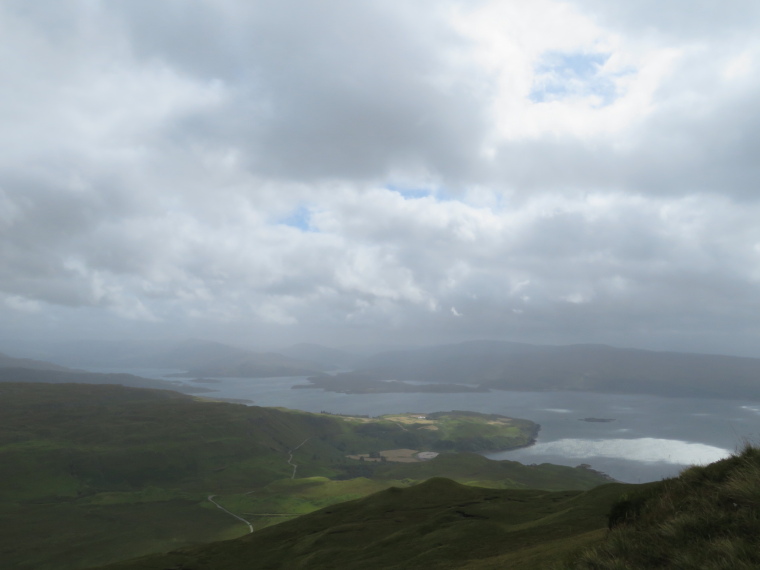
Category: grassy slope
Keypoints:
(476, 470)
(93, 474)
(437, 524)
(708, 518)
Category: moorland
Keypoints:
(705, 519)
(117, 471)
(98, 473)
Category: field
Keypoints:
(436, 524)
(95, 474)
(452, 431)
(707, 518)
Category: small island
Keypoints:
(361, 383)
(597, 420)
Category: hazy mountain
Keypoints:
(254, 365)
(11, 362)
(193, 353)
(207, 358)
(97, 352)
(195, 356)
(65, 376)
(331, 358)
(514, 366)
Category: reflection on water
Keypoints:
(650, 437)
(647, 449)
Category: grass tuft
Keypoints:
(707, 518)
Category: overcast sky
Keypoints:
(355, 171)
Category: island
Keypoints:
(362, 383)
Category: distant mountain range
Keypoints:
(484, 365)
(329, 358)
(27, 370)
(11, 362)
(193, 356)
(60, 375)
(204, 358)
(584, 367)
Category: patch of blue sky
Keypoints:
(299, 218)
(575, 74)
(409, 193)
(438, 193)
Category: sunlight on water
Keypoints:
(645, 449)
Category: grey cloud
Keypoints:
(155, 202)
(691, 19)
(676, 151)
(323, 90)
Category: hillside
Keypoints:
(437, 524)
(253, 365)
(98, 473)
(705, 519)
(593, 368)
(11, 362)
(204, 358)
(196, 357)
(330, 358)
(709, 517)
(66, 376)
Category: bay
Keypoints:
(649, 437)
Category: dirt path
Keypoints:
(290, 457)
(211, 498)
(293, 476)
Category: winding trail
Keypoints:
(293, 476)
(290, 457)
(211, 498)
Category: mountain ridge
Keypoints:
(582, 367)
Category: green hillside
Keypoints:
(437, 524)
(706, 519)
(99, 473)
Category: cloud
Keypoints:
(550, 171)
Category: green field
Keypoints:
(94, 474)
(708, 518)
(454, 431)
(436, 524)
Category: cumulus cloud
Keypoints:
(341, 171)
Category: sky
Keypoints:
(265, 172)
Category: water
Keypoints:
(650, 438)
